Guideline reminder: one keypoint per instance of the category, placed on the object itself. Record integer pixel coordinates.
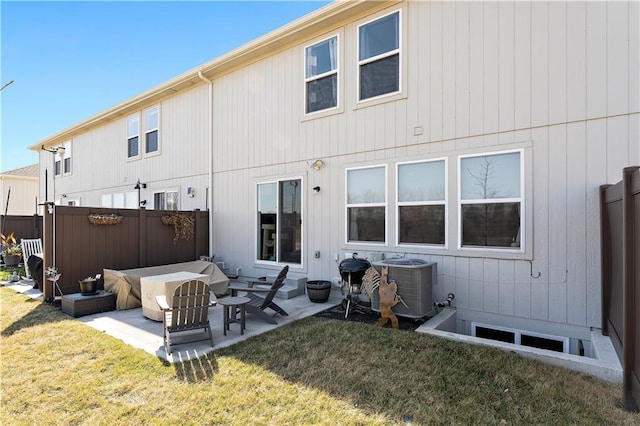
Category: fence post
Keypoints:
(142, 236)
(628, 262)
(47, 234)
(196, 234)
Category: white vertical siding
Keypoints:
(482, 76)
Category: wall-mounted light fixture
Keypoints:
(191, 192)
(316, 188)
(316, 164)
(139, 186)
(55, 150)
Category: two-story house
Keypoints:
(471, 134)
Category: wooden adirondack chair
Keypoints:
(187, 310)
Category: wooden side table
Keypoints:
(230, 316)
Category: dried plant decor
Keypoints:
(182, 223)
(105, 219)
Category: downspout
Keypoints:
(210, 192)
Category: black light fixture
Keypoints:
(139, 186)
(316, 188)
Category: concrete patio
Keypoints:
(133, 328)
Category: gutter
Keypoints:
(210, 161)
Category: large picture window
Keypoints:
(379, 56)
(151, 130)
(321, 75)
(279, 221)
(422, 202)
(491, 188)
(133, 133)
(366, 204)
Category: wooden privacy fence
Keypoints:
(620, 239)
(82, 241)
(22, 226)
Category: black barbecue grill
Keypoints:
(352, 270)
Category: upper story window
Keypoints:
(62, 161)
(421, 195)
(151, 130)
(379, 56)
(133, 136)
(491, 200)
(57, 165)
(321, 75)
(366, 204)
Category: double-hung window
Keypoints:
(366, 204)
(421, 196)
(133, 136)
(379, 56)
(321, 75)
(491, 200)
(151, 130)
(279, 221)
(66, 160)
(57, 165)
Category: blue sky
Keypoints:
(71, 60)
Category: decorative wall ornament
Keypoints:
(183, 225)
(104, 219)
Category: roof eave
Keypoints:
(306, 27)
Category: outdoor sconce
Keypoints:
(143, 202)
(316, 188)
(191, 192)
(55, 150)
(316, 164)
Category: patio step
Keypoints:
(292, 287)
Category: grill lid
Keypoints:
(354, 268)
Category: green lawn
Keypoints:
(56, 370)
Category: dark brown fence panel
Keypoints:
(611, 228)
(22, 226)
(631, 219)
(140, 239)
(620, 242)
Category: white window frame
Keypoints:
(384, 204)
(148, 130)
(387, 54)
(520, 200)
(278, 262)
(517, 335)
(130, 136)
(67, 156)
(444, 202)
(165, 192)
(316, 77)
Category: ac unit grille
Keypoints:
(414, 286)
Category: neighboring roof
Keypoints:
(27, 171)
(311, 25)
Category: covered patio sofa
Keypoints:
(125, 284)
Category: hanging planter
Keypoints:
(183, 225)
(105, 219)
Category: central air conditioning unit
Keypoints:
(415, 279)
